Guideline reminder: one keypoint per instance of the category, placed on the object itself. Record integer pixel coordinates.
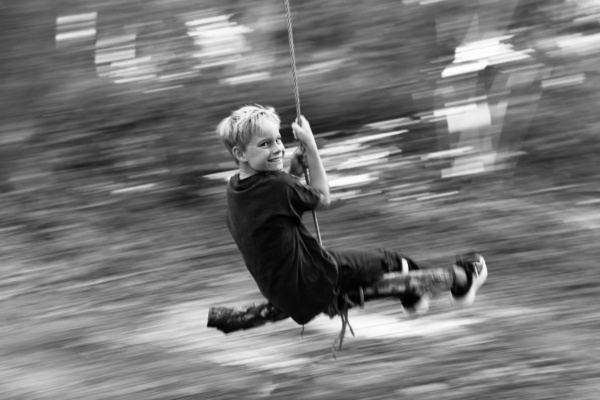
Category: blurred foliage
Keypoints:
(62, 115)
(70, 134)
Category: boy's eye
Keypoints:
(268, 143)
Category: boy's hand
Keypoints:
(298, 162)
(318, 175)
(303, 132)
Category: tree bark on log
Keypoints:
(227, 319)
(394, 284)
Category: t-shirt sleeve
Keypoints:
(302, 197)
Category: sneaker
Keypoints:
(414, 306)
(477, 274)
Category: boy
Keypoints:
(265, 205)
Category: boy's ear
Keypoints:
(238, 154)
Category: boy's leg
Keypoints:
(362, 267)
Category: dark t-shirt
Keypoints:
(290, 267)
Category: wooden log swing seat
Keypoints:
(431, 281)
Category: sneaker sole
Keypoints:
(469, 298)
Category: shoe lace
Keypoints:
(470, 265)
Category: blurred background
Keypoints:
(444, 125)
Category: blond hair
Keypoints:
(245, 122)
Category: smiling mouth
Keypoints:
(277, 159)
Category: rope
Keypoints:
(293, 57)
(297, 99)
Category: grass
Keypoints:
(109, 302)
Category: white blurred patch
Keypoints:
(246, 78)
(218, 40)
(580, 44)
(133, 189)
(475, 56)
(372, 326)
(563, 81)
(75, 27)
(437, 195)
(320, 67)
(369, 138)
(391, 124)
(221, 176)
(364, 160)
(336, 181)
(339, 149)
(460, 151)
(116, 59)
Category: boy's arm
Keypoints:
(318, 176)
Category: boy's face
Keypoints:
(264, 152)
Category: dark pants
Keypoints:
(362, 267)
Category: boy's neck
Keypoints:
(244, 175)
(245, 171)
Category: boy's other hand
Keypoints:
(302, 131)
(298, 162)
